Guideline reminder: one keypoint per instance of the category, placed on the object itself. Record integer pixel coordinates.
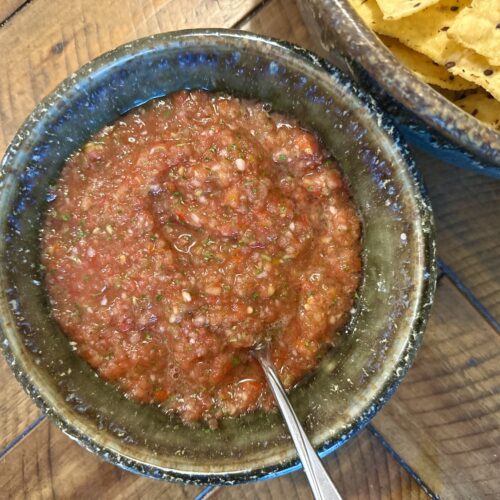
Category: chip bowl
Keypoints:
(425, 117)
(373, 353)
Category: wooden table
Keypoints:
(438, 436)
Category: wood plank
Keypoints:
(280, 19)
(8, 7)
(466, 207)
(444, 419)
(16, 408)
(39, 55)
(361, 469)
(49, 465)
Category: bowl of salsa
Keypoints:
(178, 201)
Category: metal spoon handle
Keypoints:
(319, 480)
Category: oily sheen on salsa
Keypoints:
(186, 233)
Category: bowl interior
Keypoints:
(374, 351)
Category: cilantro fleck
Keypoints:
(207, 256)
(258, 270)
(255, 295)
(282, 157)
(153, 237)
(235, 361)
(65, 217)
(159, 297)
(213, 149)
(80, 234)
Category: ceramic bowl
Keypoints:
(426, 118)
(374, 352)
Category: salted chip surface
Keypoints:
(478, 28)
(396, 9)
(425, 31)
(475, 68)
(424, 68)
(482, 106)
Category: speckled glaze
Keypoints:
(424, 116)
(376, 349)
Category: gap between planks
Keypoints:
(9, 8)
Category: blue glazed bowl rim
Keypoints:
(142, 46)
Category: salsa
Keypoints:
(193, 228)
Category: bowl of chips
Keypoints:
(433, 64)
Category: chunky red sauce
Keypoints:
(187, 232)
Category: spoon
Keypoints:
(320, 482)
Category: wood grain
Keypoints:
(444, 419)
(48, 465)
(280, 19)
(361, 469)
(36, 56)
(16, 408)
(466, 207)
(8, 7)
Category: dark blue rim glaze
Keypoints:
(120, 55)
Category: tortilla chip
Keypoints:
(425, 32)
(424, 68)
(482, 106)
(475, 68)
(396, 9)
(478, 28)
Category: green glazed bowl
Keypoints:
(376, 349)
